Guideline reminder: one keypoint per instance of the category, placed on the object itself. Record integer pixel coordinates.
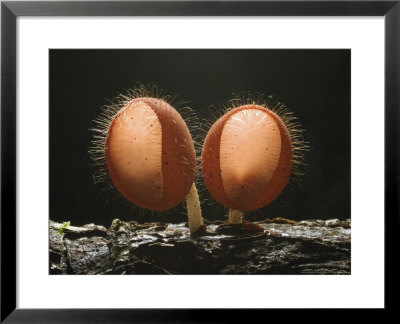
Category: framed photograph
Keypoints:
(177, 155)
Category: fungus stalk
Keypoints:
(235, 216)
(193, 208)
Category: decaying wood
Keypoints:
(276, 246)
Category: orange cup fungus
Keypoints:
(150, 154)
(247, 158)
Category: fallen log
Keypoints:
(273, 246)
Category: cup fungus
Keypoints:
(247, 157)
(149, 155)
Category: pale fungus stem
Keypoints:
(194, 211)
(235, 216)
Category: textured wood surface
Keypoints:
(277, 246)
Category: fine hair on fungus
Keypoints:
(250, 153)
(143, 145)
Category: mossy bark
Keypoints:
(276, 246)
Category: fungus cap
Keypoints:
(247, 158)
(150, 154)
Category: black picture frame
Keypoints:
(10, 10)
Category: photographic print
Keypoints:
(200, 161)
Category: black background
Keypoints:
(314, 84)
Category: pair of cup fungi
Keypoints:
(147, 151)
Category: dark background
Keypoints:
(314, 84)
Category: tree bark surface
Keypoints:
(276, 246)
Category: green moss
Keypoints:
(63, 226)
